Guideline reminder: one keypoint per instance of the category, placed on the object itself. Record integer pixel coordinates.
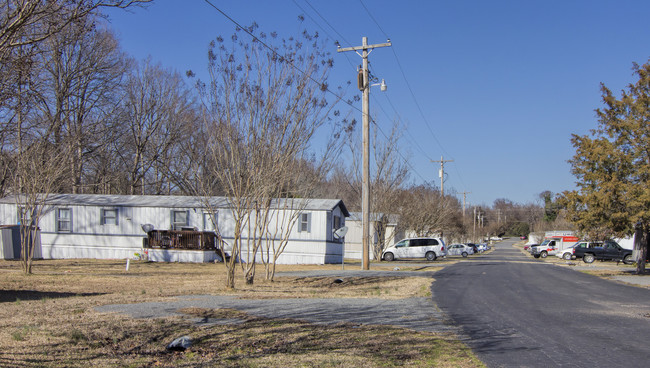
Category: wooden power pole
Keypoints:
(442, 174)
(364, 85)
(464, 198)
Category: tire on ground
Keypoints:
(430, 256)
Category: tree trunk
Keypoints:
(641, 246)
(230, 277)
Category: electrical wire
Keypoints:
(347, 57)
(408, 85)
(340, 98)
(257, 39)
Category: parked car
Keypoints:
(529, 248)
(607, 250)
(523, 237)
(482, 247)
(428, 248)
(473, 246)
(566, 253)
(459, 250)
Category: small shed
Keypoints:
(11, 243)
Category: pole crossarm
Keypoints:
(364, 47)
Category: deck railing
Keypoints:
(182, 239)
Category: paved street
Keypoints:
(512, 310)
(518, 312)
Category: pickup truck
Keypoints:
(607, 250)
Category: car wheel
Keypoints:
(543, 254)
(567, 256)
(430, 256)
(536, 255)
(628, 259)
(589, 258)
(389, 257)
(464, 254)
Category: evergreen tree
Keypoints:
(612, 166)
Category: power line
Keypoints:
(326, 22)
(257, 39)
(408, 85)
(373, 18)
(323, 29)
(340, 98)
(380, 106)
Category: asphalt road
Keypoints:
(515, 311)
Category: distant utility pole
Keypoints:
(464, 198)
(364, 85)
(442, 175)
(474, 232)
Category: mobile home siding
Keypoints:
(89, 237)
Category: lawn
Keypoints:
(48, 320)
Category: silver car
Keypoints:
(428, 248)
(459, 250)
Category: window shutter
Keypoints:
(304, 223)
(117, 216)
(300, 222)
(102, 216)
(309, 222)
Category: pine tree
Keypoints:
(612, 167)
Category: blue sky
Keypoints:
(497, 86)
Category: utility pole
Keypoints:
(474, 232)
(441, 173)
(464, 198)
(364, 85)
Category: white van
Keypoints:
(428, 248)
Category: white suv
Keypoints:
(428, 248)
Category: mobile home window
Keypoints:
(337, 222)
(305, 223)
(179, 219)
(109, 216)
(208, 225)
(24, 216)
(64, 220)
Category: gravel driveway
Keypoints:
(414, 313)
(419, 314)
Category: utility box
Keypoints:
(10, 243)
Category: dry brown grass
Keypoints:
(48, 319)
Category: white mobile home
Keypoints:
(354, 237)
(110, 226)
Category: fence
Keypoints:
(182, 239)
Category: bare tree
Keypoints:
(28, 22)
(82, 71)
(423, 211)
(390, 173)
(156, 106)
(38, 170)
(262, 108)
